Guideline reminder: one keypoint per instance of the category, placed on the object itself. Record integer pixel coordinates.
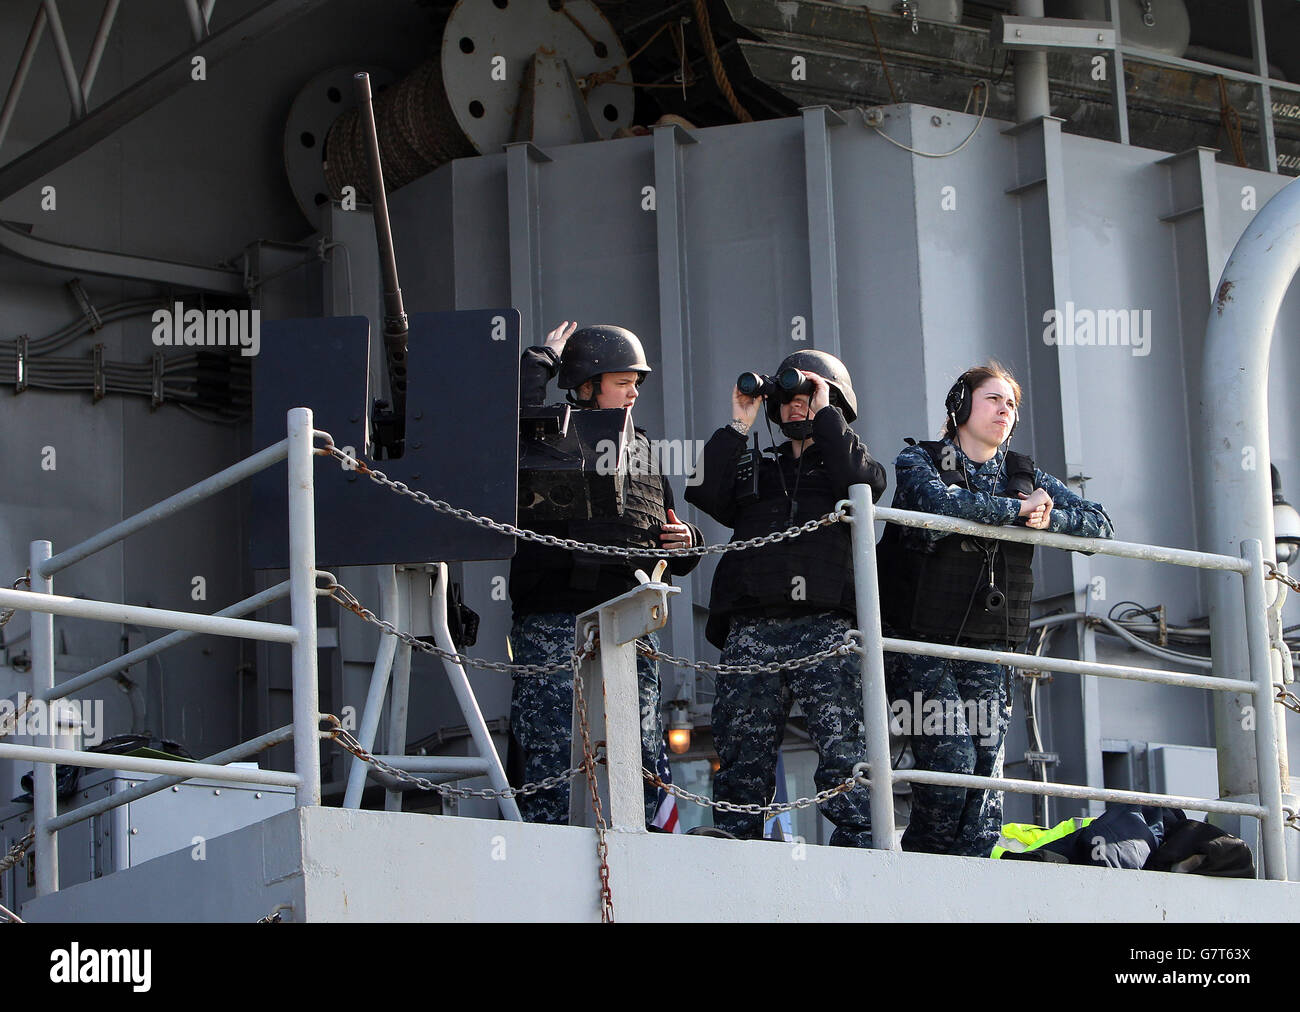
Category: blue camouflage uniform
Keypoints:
(783, 601)
(541, 713)
(957, 820)
(549, 588)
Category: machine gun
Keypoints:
(388, 419)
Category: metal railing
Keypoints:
(1269, 811)
(302, 590)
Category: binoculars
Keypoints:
(789, 382)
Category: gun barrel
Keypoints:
(396, 328)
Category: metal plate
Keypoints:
(320, 102)
(479, 30)
(462, 437)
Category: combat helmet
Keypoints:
(830, 369)
(592, 351)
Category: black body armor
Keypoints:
(940, 594)
(813, 572)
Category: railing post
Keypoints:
(611, 690)
(302, 599)
(875, 700)
(45, 802)
(1272, 826)
(374, 706)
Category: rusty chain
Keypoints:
(602, 845)
(750, 809)
(348, 743)
(848, 646)
(1276, 574)
(1287, 698)
(8, 728)
(401, 488)
(7, 613)
(345, 597)
(17, 850)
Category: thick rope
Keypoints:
(715, 63)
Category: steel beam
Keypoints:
(819, 189)
(1265, 91)
(20, 73)
(675, 349)
(525, 241)
(118, 265)
(145, 94)
(1118, 88)
(91, 70)
(1033, 94)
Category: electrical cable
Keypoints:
(933, 154)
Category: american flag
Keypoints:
(665, 803)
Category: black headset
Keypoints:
(959, 401)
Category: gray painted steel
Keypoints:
(320, 863)
(926, 282)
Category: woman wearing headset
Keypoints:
(975, 592)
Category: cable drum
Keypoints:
(417, 133)
(468, 99)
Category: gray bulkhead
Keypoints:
(937, 263)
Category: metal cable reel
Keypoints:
(315, 109)
(547, 71)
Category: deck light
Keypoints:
(679, 726)
(1286, 522)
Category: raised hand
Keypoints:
(558, 337)
(744, 408)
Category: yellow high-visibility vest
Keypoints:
(1019, 837)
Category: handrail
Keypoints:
(1069, 542)
(1270, 812)
(300, 636)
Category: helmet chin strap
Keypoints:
(796, 430)
(590, 402)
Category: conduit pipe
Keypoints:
(1233, 457)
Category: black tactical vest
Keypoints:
(934, 595)
(813, 572)
(640, 523)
